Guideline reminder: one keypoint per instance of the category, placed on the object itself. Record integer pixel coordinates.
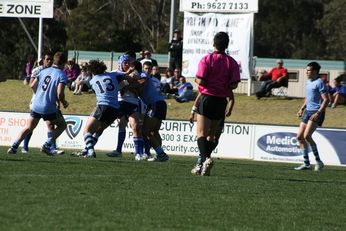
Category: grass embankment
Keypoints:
(273, 110)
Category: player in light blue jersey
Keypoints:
(315, 105)
(49, 87)
(106, 86)
(46, 62)
(156, 112)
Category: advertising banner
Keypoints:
(179, 137)
(199, 31)
(245, 141)
(279, 144)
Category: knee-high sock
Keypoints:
(138, 145)
(90, 142)
(315, 151)
(121, 139)
(146, 146)
(211, 146)
(53, 146)
(26, 141)
(15, 144)
(203, 147)
(96, 138)
(305, 153)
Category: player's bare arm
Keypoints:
(323, 106)
(33, 84)
(61, 95)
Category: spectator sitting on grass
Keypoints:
(82, 83)
(72, 71)
(168, 83)
(155, 72)
(337, 93)
(177, 75)
(185, 90)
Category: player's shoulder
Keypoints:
(36, 71)
(115, 74)
(232, 60)
(38, 68)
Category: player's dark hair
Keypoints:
(315, 66)
(149, 64)
(59, 59)
(221, 41)
(96, 67)
(136, 65)
(48, 53)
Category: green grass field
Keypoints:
(38, 192)
(68, 193)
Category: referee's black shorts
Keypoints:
(212, 107)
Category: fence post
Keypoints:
(112, 56)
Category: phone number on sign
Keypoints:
(220, 5)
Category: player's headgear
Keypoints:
(122, 59)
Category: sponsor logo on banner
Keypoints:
(74, 125)
(280, 144)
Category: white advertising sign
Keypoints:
(199, 31)
(27, 8)
(246, 141)
(220, 6)
(179, 137)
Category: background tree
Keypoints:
(333, 26)
(118, 25)
(287, 29)
(304, 29)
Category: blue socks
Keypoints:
(159, 150)
(89, 141)
(305, 153)
(315, 151)
(53, 145)
(26, 141)
(15, 144)
(138, 145)
(121, 139)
